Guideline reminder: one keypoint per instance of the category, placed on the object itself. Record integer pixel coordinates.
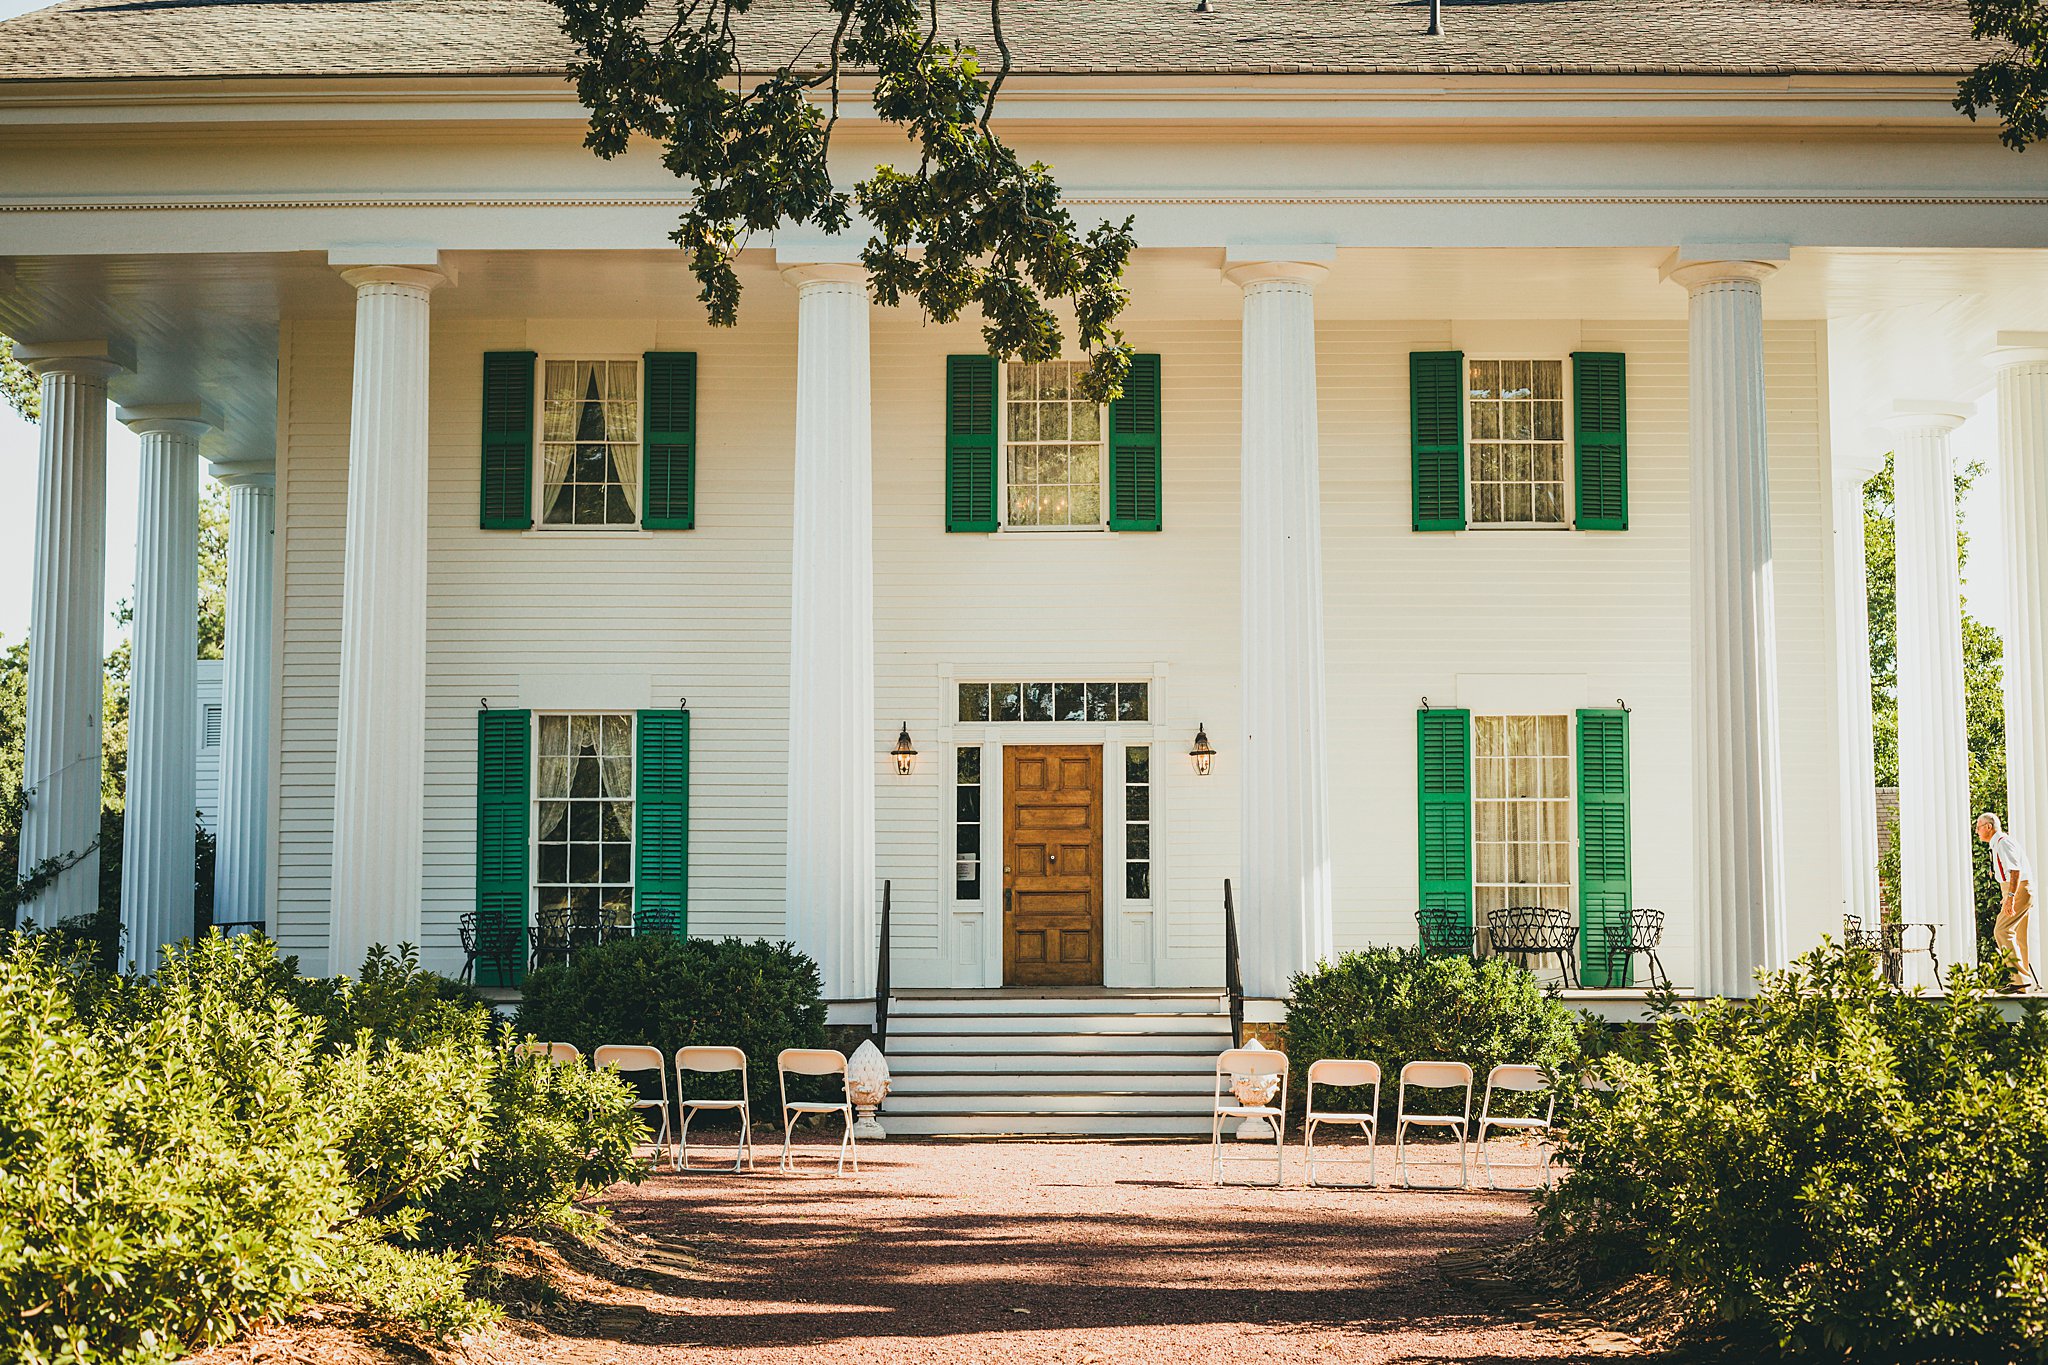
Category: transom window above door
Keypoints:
(1517, 424)
(1100, 702)
(1052, 447)
(590, 443)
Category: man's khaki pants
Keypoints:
(2010, 932)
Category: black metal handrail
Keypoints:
(882, 977)
(1233, 973)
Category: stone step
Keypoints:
(969, 1023)
(971, 1081)
(986, 1004)
(1076, 1102)
(1196, 1046)
(1046, 1125)
(943, 1060)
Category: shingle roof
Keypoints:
(102, 39)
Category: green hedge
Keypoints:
(1850, 1171)
(185, 1152)
(1393, 1006)
(667, 992)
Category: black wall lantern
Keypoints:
(1203, 753)
(903, 753)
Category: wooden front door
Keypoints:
(1052, 865)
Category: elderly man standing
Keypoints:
(2015, 878)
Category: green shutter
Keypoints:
(1444, 779)
(1604, 895)
(1134, 450)
(1436, 398)
(503, 739)
(971, 443)
(668, 442)
(507, 441)
(661, 853)
(1600, 439)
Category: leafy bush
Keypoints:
(1852, 1171)
(1393, 1006)
(184, 1152)
(668, 992)
(164, 1177)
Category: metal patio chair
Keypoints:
(1537, 931)
(715, 1059)
(1254, 1062)
(1644, 934)
(634, 1059)
(550, 939)
(814, 1061)
(1443, 933)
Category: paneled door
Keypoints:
(1052, 865)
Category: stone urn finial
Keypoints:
(1251, 1089)
(867, 1085)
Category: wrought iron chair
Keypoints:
(1443, 933)
(1643, 933)
(1889, 942)
(586, 928)
(467, 926)
(616, 924)
(1537, 931)
(550, 938)
(494, 943)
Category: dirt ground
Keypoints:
(1033, 1252)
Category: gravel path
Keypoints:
(1029, 1252)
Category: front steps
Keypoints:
(1048, 1063)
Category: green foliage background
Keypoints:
(1983, 694)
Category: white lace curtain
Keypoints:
(585, 402)
(566, 743)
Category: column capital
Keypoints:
(1926, 414)
(801, 273)
(1695, 265)
(1303, 264)
(244, 473)
(170, 419)
(419, 277)
(1858, 465)
(2017, 348)
(99, 359)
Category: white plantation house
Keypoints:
(1487, 495)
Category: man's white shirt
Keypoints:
(2006, 859)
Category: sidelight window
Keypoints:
(1138, 822)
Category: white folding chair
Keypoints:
(1249, 1061)
(814, 1061)
(715, 1059)
(558, 1053)
(1433, 1076)
(1338, 1073)
(1520, 1080)
(630, 1059)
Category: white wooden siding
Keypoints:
(704, 614)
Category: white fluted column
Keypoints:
(832, 750)
(2022, 364)
(1855, 747)
(60, 822)
(1934, 744)
(241, 869)
(1285, 923)
(379, 776)
(1738, 810)
(157, 841)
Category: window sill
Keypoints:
(577, 533)
(1053, 531)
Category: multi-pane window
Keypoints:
(967, 823)
(1516, 412)
(590, 443)
(1101, 702)
(1052, 446)
(1522, 801)
(583, 819)
(1138, 822)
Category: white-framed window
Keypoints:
(1517, 449)
(1054, 459)
(590, 443)
(583, 786)
(1522, 807)
(967, 823)
(1138, 822)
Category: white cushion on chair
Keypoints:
(1447, 1120)
(1340, 1117)
(714, 1104)
(815, 1107)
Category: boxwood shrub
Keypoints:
(1393, 1006)
(654, 989)
(1834, 1166)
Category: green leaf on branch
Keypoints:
(969, 226)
